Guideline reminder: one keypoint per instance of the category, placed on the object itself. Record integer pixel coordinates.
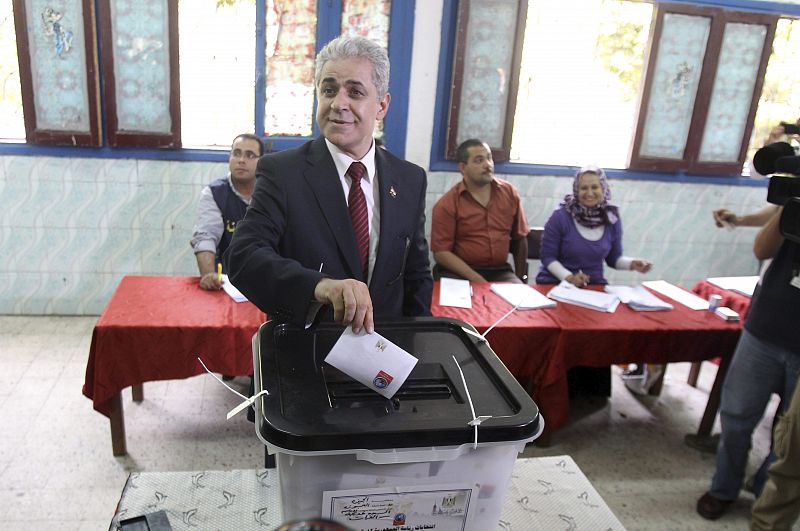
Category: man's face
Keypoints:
(479, 168)
(243, 159)
(348, 105)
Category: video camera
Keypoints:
(781, 159)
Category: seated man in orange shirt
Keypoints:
(477, 221)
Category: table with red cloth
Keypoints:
(154, 328)
(734, 300)
(572, 335)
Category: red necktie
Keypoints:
(359, 215)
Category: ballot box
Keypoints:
(418, 460)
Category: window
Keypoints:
(704, 74)
(217, 63)
(626, 84)
(780, 95)
(192, 73)
(12, 125)
(604, 50)
(57, 73)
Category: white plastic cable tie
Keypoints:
(476, 421)
(247, 401)
(509, 312)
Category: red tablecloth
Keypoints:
(539, 346)
(732, 299)
(522, 341)
(154, 328)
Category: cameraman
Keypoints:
(766, 361)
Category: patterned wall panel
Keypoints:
(675, 80)
(734, 83)
(141, 65)
(70, 229)
(58, 64)
(487, 67)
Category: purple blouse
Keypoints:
(561, 241)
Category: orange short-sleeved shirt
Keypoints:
(478, 235)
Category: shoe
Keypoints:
(710, 507)
(634, 371)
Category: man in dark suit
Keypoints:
(301, 246)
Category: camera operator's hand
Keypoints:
(775, 135)
(723, 215)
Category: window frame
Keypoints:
(32, 130)
(689, 162)
(401, 33)
(440, 162)
(501, 153)
(139, 139)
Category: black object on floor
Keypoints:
(589, 381)
(156, 521)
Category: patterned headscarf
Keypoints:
(604, 213)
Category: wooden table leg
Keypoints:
(138, 392)
(117, 420)
(694, 372)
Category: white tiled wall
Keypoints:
(70, 228)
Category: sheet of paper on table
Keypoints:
(743, 285)
(522, 294)
(372, 360)
(690, 300)
(455, 292)
(594, 300)
(638, 298)
(231, 290)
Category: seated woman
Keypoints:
(582, 232)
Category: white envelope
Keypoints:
(372, 360)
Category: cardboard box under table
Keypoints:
(346, 453)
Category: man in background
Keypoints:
(477, 222)
(222, 205)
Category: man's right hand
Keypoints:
(210, 281)
(352, 304)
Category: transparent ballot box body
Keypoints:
(334, 437)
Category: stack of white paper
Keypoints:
(690, 300)
(743, 285)
(638, 298)
(523, 296)
(594, 300)
(231, 290)
(455, 292)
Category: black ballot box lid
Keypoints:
(312, 407)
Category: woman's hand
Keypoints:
(642, 266)
(579, 279)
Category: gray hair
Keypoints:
(344, 47)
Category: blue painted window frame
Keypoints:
(441, 117)
(401, 35)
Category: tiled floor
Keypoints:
(57, 471)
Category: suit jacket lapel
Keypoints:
(388, 206)
(323, 180)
